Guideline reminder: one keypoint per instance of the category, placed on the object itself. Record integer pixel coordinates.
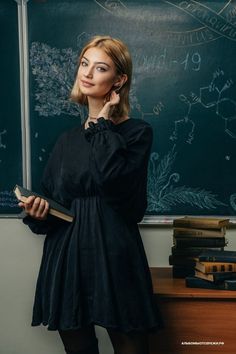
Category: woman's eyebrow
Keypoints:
(98, 62)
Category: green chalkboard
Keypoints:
(10, 113)
(184, 85)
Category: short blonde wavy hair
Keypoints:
(120, 55)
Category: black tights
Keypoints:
(84, 341)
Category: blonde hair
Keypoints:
(120, 55)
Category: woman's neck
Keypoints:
(94, 107)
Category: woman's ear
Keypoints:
(120, 82)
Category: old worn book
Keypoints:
(192, 251)
(208, 267)
(182, 242)
(184, 231)
(194, 282)
(201, 223)
(182, 271)
(215, 276)
(217, 256)
(182, 260)
(55, 208)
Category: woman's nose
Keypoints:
(88, 72)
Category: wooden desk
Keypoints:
(197, 317)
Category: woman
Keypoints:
(94, 271)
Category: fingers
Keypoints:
(27, 204)
(39, 208)
(114, 98)
(36, 207)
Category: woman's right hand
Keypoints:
(35, 207)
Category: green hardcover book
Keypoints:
(182, 271)
(199, 242)
(217, 256)
(182, 260)
(55, 208)
(230, 284)
(192, 251)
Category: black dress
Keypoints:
(94, 270)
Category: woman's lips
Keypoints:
(86, 83)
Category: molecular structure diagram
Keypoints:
(209, 96)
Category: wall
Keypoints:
(20, 255)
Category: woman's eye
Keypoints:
(100, 68)
(83, 63)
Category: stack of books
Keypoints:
(192, 236)
(214, 270)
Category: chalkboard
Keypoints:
(10, 113)
(184, 85)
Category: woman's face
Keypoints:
(97, 73)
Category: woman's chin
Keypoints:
(90, 92)
(94, 96)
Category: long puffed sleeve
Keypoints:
(112, 155)
(119, 164)
(47, 186)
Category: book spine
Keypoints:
(192, 251)
(219, 276)
(182, 271)
(182, 260)
(230, 284)
(201, 223)
(217, 258)
(194, 282)
(200, 242)
(198, 232)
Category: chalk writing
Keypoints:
(216, 24)
(111, 5)
(189, 61)
(207, 17)
(2, 146)
(231, 15)
(41, 157)
(8, 199)
(190, 38)
(213, 24)
(158, 108)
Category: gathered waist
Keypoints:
(86, 201)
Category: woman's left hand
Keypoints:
(114, 100)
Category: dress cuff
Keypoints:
(37, 226)
(101, 125)
(40, 226)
